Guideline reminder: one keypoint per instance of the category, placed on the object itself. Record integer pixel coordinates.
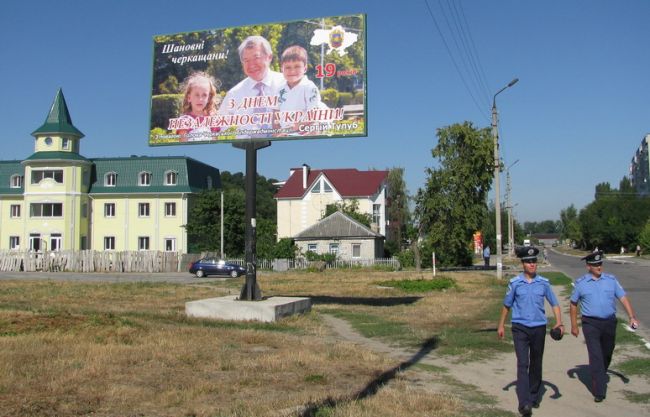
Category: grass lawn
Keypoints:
(127, 349)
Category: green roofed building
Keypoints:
(57, 199)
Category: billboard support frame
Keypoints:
(250, 291)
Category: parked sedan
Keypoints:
(213, 266)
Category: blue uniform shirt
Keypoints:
(527, 300)
(597, 297)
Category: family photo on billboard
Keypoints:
(281, 81)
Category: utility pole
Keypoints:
(509, 207)
(497, 172)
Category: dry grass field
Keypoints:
(127, 349)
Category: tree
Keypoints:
(397, 206)
(644, 237)
(615, 218)
(453, 204)
(204, 224)
(569, 225)
(351, 209)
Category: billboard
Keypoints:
(303, 79)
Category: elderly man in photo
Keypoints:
(254, 96)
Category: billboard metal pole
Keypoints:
(251, 291)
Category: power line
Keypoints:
(453, 60)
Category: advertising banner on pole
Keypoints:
(303, 79)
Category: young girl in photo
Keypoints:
(199, 101)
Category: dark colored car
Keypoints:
(213, 266)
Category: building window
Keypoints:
(326, 187)
(144, 179)
(334, 248)
(143, 209)
(356, 250)
(35, 242)
(110, 179)
(46, 210)
(83, 243)
(312, 247)
(14, 242)
(109, 209)
(84, 210)
(171, 178)
(143, 243)
(170, 209)
(15, 210)
(109, 242)
(54, 174)
(55, 241)
(208, 182)
(16, 181)
(376, 213)
(316, 188)
(170, 244)
(65, 143)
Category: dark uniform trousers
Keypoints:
(600, 337)
(529, 347)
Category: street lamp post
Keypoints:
(509, 206)
(497, 169)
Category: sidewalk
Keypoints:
(566, 380)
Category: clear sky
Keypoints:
(575, 119)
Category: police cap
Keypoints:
(527, 253)
(594, 258)
(556, 333)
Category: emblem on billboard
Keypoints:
(336, 38)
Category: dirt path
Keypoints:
(566, 376)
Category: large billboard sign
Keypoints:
(302, 79)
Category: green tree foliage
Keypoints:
(397, 209)
(545, 226)
(453, 204)
(644, 238)
(162, 106)
(615, 218)
(489, 229)
(570, 226)
(203, 227)
(351, 209)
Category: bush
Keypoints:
(344, 98)
(164, 107)
(406, 258)
(330, 97)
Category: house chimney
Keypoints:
(305, 174)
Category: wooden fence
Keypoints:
(150, 261)
(90, 261)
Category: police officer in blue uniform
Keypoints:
(525, 296)
(597, 293)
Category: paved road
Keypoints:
(172, 277)
(633, 274)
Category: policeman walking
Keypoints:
(597, 293)
(525, 296)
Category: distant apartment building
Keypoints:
(640, 168)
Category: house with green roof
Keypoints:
(57, 199)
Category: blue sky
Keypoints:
(575, 119)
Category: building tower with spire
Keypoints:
(57, 199)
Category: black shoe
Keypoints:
(599, 398)
(526, 410)
(535, 404)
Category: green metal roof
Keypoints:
(7, 170)
(58, 119)
(56, 155)
(192, 175)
